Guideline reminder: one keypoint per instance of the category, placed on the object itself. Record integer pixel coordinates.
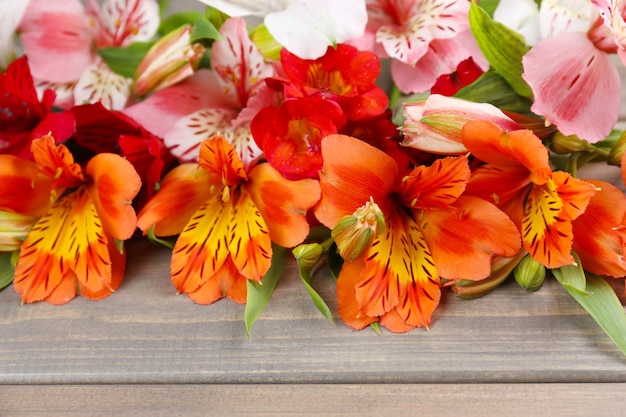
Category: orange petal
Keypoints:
(115, 185)
(283, 203)
(437, 185)
(464, 237)
(348, 183)
(399, 273)
(182, 191)
(68, 240)
(348, 307)
(574, 193)
(518, 148)
(202, 247)
(64, 292)
(227, 282)
(596, 241)
(219, 157)
(57, 162)
(393, 322)
(22, 190)
(118, 269)
(249, 242)
(498, 184)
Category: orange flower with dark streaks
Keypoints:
(518, 178)
(226, 219)
(432, 231)
(72, 248)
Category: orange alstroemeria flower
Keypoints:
(71, 248)
(432, 231)
(226, 219)
(518, 178)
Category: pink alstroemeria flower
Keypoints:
(305, 27)
(213, 102)
(66, 60)
(574, 81)
(425, 39)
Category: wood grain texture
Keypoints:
(407, 400)
(145, 333)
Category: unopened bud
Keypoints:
(530, 274)
(172, 59)
(355, 233)
(308, 255)
(563, 145)
(617, 151)
(14, 228)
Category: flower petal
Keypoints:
(122, 22)
(596, 240)
(227, 282)
(283, 203)
(464, 237)
(202, 247)
(68, 241)
(99, 84)
(348, 307)
(22, 190)
(568, 69)
(115, 185)
(183, 190)
(57, 56)
(348, 183)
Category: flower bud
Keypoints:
(561, 144)
(529, 274)
(435, 124)
(13, 230)
(617, 151)
(354, 233)
(172, 59)
(308, 255)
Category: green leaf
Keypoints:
(491, 88)
(601, 302)
(124, 61)
(305, 266)
(203, 30)
(177, 20)
(489, 6)
(572, 276)
(259, 293)
(6, 269)
(154, 238)
(503, 48)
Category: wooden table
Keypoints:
(145, 351)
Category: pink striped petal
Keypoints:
(576, 86)
(64, 93)
(122, 22)
(185, 137)
(57, 56)
(100, 84)
(160, 111)
(238, 62)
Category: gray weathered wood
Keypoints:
(145, 333)
(329, 400)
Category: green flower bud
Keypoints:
(563, 145)
(355, 233)
(308, 255)
(529, 274)
(14, 228)
(615, 156)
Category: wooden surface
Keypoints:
(152, 348)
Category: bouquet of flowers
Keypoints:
(412, 147)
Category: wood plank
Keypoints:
(144, 333)
(490, 400)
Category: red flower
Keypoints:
(291, 134)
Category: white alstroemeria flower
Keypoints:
(305, 27)
(11, 12)
(522, 16)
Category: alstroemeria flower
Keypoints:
(435, 124)
(518, 178)
(226, 218)
(67, 59)
(425, 39)
(432, 231)
(572, 65)
(212, 102)
(343, 74)
(71, 249)
(21, 111)
(305, 27)
(11, 13)
(598, 239)
(290, 135)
